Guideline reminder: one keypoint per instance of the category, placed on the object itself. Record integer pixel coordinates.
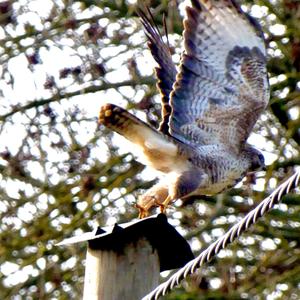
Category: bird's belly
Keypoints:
(212, 189)
(217, 187)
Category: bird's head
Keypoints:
(257, 161)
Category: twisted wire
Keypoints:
(227, 238)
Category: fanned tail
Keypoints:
(157, 148)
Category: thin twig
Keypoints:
(91, 89)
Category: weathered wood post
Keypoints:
(124, 261)
(124, 275)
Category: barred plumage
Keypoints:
(209, 108)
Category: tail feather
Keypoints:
(157, 148)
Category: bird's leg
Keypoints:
(154, 197)
(163, 193)
(143, 211)
(163, 206)
(184, 185)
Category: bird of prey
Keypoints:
(209, 107)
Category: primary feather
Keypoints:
(166, 70)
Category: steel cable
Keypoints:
(228, 237)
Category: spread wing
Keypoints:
(222, 86)
(166, 71)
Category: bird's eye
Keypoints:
(258, 162)
(261, 158)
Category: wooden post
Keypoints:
(113, 276)
(124, 261)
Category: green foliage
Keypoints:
(62, 175)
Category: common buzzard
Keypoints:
(209, 107)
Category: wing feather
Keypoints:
(222, 85)
(166, 71)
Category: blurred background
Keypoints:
(61, 174)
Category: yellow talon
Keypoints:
(164, 205)
(143, 213)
